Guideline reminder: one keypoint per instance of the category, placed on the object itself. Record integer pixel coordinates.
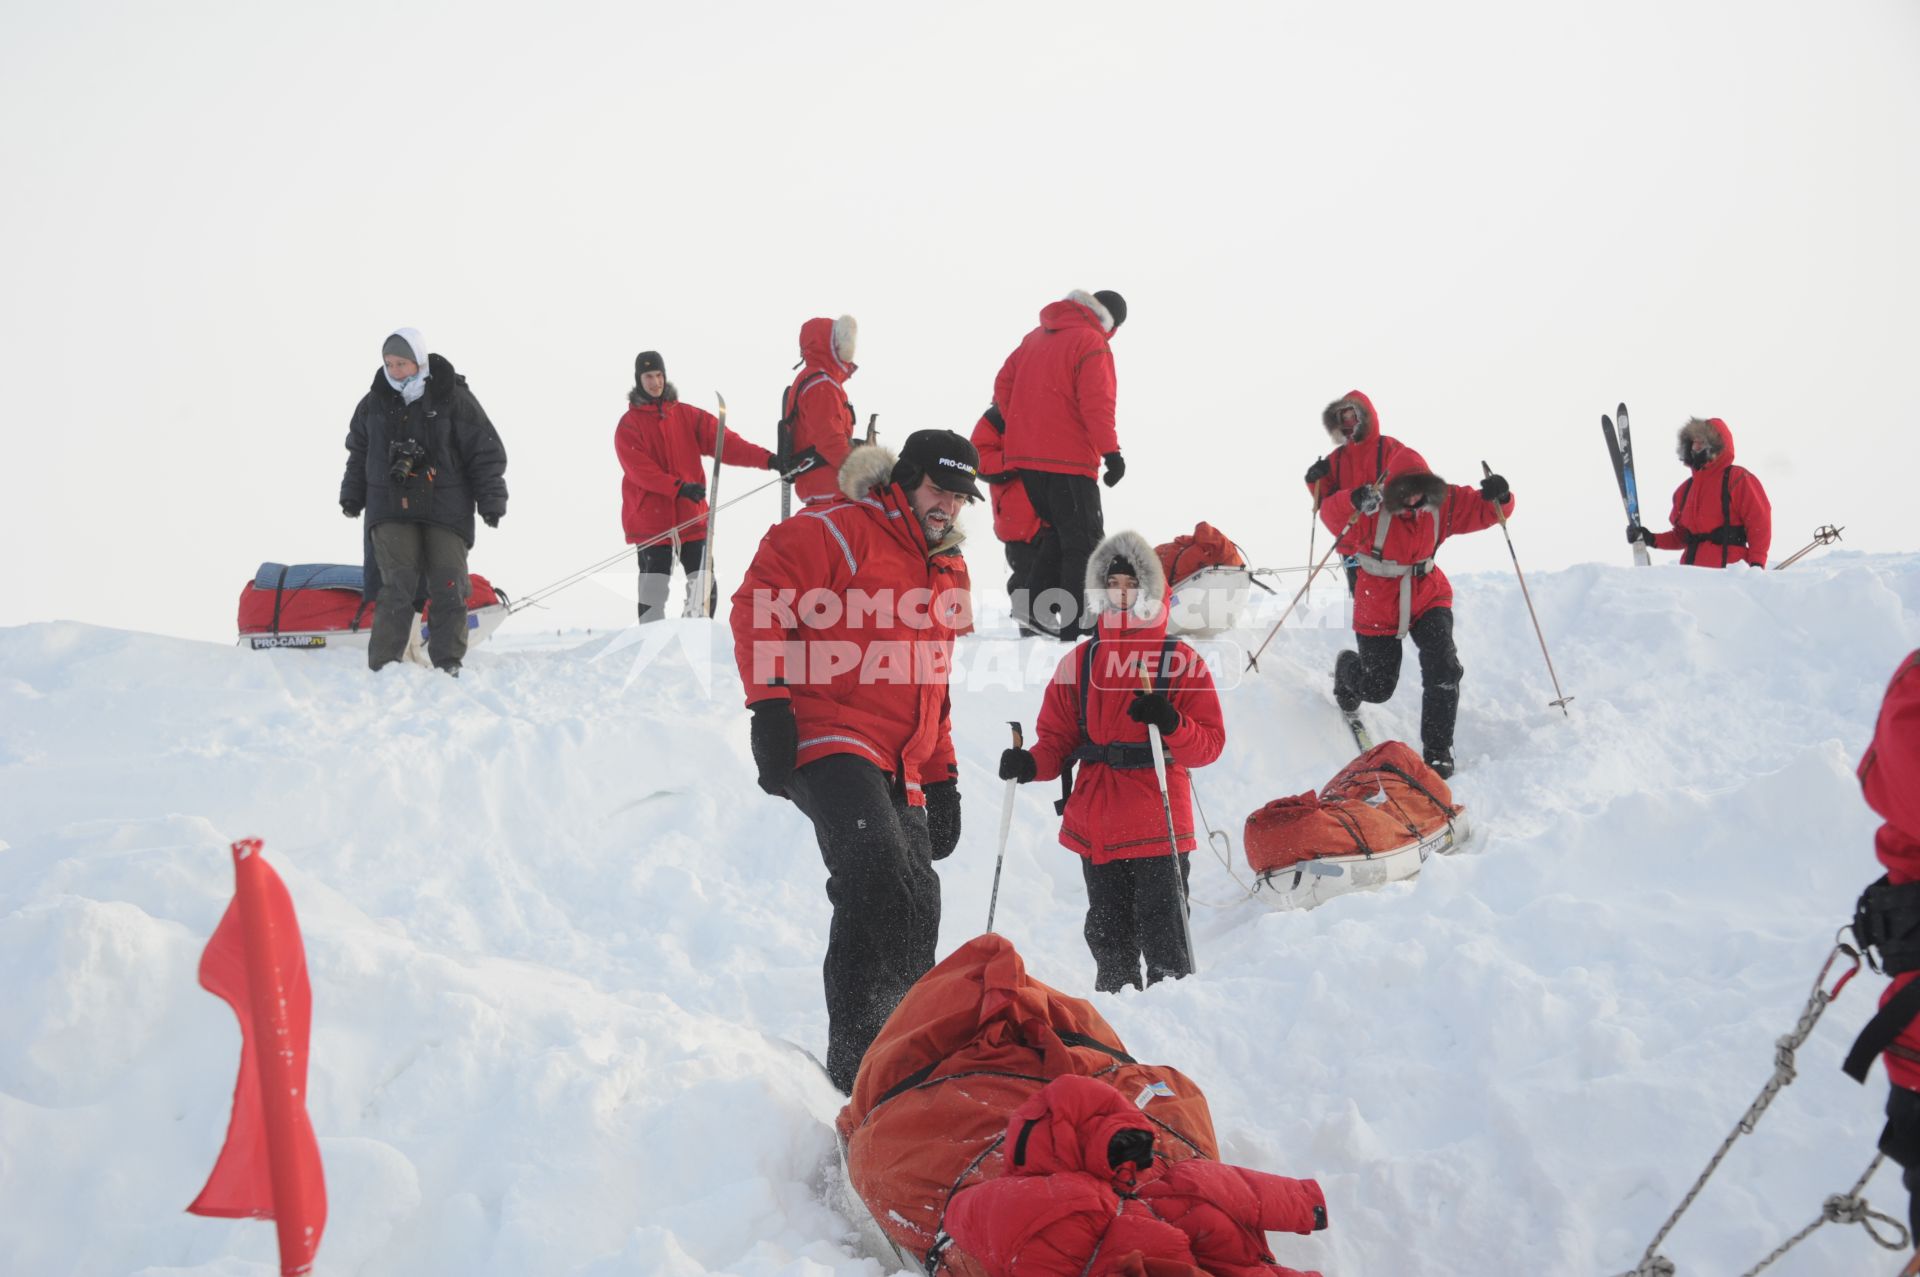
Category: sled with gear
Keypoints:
(974, 1040)
(1208, 578)
(306, 606)
(1376, 822)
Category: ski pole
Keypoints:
(1173, 837)
(1485, 469)
(708, 579)
(1253, 662)
(1826, 535)
(574, 578)
(1313, 523)
(1006, 827)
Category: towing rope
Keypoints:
(1840, 1208)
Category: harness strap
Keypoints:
(1728, 533)
(1376, 564)
(1881, 1030)
(1119, 755)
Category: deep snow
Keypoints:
(556, 935)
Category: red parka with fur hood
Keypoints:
(660, 443)
(1890, 780)
(1718, 506)
(1063, 1209)
(822, 417)
(847, 612)
(1367, 457)
(1115, 812)
(1395, 536)
(1057, 390)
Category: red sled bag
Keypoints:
(1205, 547)
(1375, 822)
(317, 605)
(1207, 581)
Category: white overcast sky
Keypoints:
(1496, 218)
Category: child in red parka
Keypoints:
(1083, 1196)
(1096, 714)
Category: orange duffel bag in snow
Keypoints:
(973, 1040)
(1375, 822)
(1207, 580)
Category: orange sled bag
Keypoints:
(974, 1039)
(1207, 581)
(1375, 822)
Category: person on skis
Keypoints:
(843, 632)
(1095, 713)
(1393, 530)
(1056, 391)
(422, 456)
(1361, 454)
(1889, 915)
(1015, 523)
(1721, 514)
(663, 487)
(816, 420)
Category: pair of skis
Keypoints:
(1620, 452)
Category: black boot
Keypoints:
(1441, 760)
(1346, 680)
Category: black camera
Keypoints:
(405, 458)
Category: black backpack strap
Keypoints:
(1693, 546)
(994, 419)
(1881, 1030)
(1080, 699)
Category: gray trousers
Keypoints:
(405, 553)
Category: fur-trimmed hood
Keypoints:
(441, 379)
(1714, 431)
(868, 471)
(1369, 419)
(1136, 550)
(1431, 487)
(669, 394)
(830, 344)
(1077, 307)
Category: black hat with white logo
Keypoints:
(942, 456)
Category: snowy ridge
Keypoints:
(552, 927)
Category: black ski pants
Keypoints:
(885, 895)
(1133, 913)
(1070, 506)
(656, 575)
(1440, 671)
(1021, 556)
(406, 552)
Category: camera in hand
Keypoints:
(405, 458)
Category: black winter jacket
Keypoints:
(465, 464)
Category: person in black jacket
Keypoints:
(421, 455)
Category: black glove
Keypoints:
(1366, 498)
(491, 520)
(1640, 533)
(1318, 471)
(1495, 489)
(802, 461)
(775, 738)
(773, 461)
(1152, 707)
(1116, 469)
(943, 816)
(1017, 764)
(1133, 1146)
(693, 491)
(351, 510)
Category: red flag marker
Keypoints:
(269, 1168)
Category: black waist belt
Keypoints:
(1886, 922)
(1727, 534)
(1120, 755)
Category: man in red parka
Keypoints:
(1014, 520)
(1084, 1196)
(1394, 533)
(1721, 514)
(1890, 917)
(1096, 713)
(660, 442)
(815, 413)
(843, 631)
(1361, 454)
(1057, 393)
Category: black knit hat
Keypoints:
(398, 345)
(648, 361)
(943, 456)
(1123, 566)
(1116, 306)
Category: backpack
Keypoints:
(1206, 546)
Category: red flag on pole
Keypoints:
(269, 1167)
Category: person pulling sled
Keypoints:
(1361, 454)
(1396, 529)
(1096, 713)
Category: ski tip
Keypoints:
(1620, 411)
